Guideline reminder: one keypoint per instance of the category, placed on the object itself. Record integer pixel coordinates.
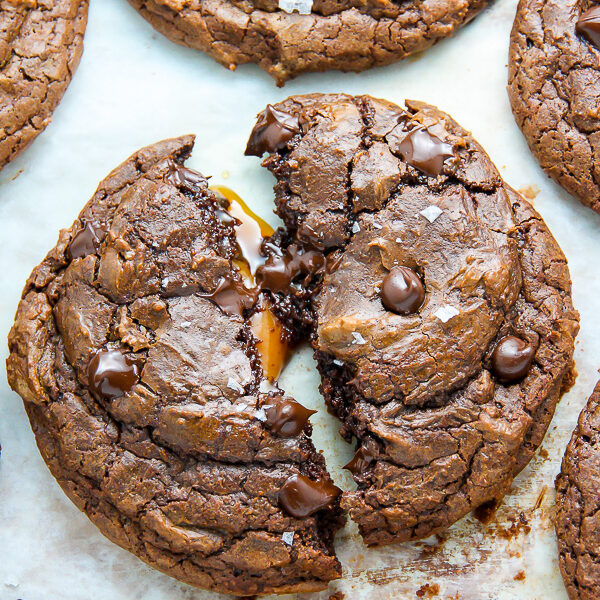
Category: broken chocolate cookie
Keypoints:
(40, 47)
(289, 37)
(554, 84)
(442, 320)
(142, 352)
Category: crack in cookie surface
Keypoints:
(40, 47)
(439, 433)
(346, 35)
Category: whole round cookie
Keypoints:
(138, 349)
(289, 37)
(578, 506)
(441, 311)
(554, 84)
(40, 47)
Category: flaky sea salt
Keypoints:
(445, 312)
(287, 537)
(265, 386)
(339, 363)
(377, 225)
(260, 415)
(358, 338)
(431, 213)
(232, 384)
(304, 7)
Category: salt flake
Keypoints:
(339, 363)
(266, 386)
(287, 537)
(232, 384)
(355, 228)
(358, 338)
(261, 415)
(304, 7)
(431, 213)
(445, 312)
(377, 225)
(186, 323)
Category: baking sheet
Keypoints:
(133, 88)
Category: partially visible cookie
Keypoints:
(40, 47)
(441, 316)
(578, 506)
(136, 350)
(554, 88)
(350, 35)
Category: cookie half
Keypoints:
(135, 350)
(40, 47)
(442, 320)
(578, 506)
(348, 35)
(554, 84)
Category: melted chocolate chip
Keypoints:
(588, 25)
(185, 178)
(112, 374)
(425, 151)
(232, 297)
(512, 358)
(402, 291)
(362, 459)
(87, 240)
(287, 418)
(301, 497)
(280, 272)
(272, 130)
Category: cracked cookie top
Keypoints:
(442, 322)
(554, 84)
(136, 349)
(40, 46)
(288, 37)
(578, 506)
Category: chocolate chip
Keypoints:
(272, 131)
(589, 25)
(112, 374)
(362, 459)
(425, 151)
(87, 240)
(512, 358)
(287, 418)
(301, 497)
(279, 272)
(185, 178)
(402, 291)
(232, 296)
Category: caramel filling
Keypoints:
(266, 327)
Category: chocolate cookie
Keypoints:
(440, 311)
(40, 47)
(349, 35)
(554, 84)
(138, 348)
(578, 504)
